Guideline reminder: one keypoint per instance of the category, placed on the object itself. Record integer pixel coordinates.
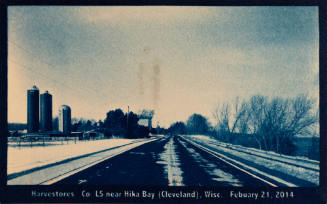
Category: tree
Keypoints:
(17, 126)
(159, 130)
(239, 114)
(272, 123)
(177, 128)
(81, 125)
(142, 131)
(132, 125)
(75, 126)
(227, 123)
(124, 125)
(222, 116)
(88, 125)
(276, 122)
(256, 107)
(146, 113)
(114, 123)
(273, 126)
(197, 124)
(100, 126)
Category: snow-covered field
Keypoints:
(299, 167)
(61, 170)
(25, 158)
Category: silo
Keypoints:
(33, 110)
(64, 119)
(46, 111)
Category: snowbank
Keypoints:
(25, 158)
(298, 167)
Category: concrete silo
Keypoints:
(33, 110)
(46, 111)
(65, 119)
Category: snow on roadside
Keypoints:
(21, 159)
(299, 172)
(171, 161)
(298, 160)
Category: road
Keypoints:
(168, 161)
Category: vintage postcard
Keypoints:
(163, 103)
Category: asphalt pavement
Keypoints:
(169, 161)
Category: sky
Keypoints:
(175, 60)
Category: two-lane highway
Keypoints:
(168, 161)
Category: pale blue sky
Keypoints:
(176, 60)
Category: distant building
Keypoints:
(33, 110)
(46, 111)
(64, 119)
(145, 118)
(145, 121)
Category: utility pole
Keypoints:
(127, 116)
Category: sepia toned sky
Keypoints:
(175, 60)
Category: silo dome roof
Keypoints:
(64, 107)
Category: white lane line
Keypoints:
(74, 171)
(244, 165)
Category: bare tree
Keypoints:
(146, 113)
(256, 107)
(303, 116)
(222, 117)
(228, 122)
(197, 124)
(273, 123)
(239, 114)
(276, 113)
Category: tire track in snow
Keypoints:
(172, 164)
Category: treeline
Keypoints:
(271, 122)
(79, 125)
(266, 123)
(82, 125)
(196, 124)
(117, 124)
(120, 124)
(17, 126)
